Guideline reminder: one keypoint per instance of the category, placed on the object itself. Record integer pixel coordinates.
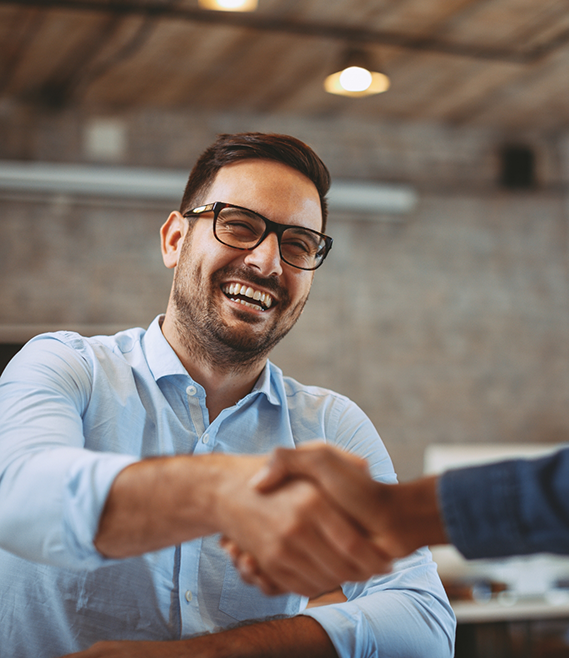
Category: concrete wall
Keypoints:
(446, 325)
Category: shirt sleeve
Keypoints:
(52, 489)
(520, 507)
(405, 613)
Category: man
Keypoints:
(120, 456)
(512, 507)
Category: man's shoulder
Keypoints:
(306, 398)
(295, 388)
(70, 352)
(122, 342)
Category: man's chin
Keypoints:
(244, 340)
(250, 317)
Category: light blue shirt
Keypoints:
(74, 412)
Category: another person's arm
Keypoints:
(513, 507)
(400, 517)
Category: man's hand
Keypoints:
(399, 518)
(298, 536)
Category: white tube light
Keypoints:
(139, 183)
(371, 198)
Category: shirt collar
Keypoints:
(270, 383)
(161, 358)
(163, 361)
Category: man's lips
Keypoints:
(248, 296)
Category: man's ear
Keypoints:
(172, 236)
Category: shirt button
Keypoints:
(191, 390)
(189, 596)
(205, 438)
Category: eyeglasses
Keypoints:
(244, 229)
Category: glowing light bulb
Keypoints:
(230, 4)
(355, 78)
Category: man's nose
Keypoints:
(266, 257)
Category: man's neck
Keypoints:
(224, 387)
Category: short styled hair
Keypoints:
(228, 149)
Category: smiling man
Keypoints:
(124, 458)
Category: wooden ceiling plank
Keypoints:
(522, 84)
(62, 46)
(17, 29)
(501, 23)
(424, 18)
(175, 64)
(536, 94)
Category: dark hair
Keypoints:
(228, 149)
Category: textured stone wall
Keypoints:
(447, 325)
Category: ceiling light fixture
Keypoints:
(356, 77)
(229, 5)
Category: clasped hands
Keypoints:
(342, 524)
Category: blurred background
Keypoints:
(443, 308)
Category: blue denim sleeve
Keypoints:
(515, 507)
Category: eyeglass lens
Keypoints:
(299, 247)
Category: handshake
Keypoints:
(384, 522)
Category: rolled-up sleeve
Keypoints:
(405, 613)
(52, 489)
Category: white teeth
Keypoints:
(248, 291)
(255, 306)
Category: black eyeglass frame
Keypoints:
(270, 227)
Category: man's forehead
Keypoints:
(270, 188)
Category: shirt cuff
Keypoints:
(86, 490)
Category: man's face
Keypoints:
(238, 304)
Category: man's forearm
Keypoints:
(165, 501)
(301, 637)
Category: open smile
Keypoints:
(248, 296)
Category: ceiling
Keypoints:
(497, 63)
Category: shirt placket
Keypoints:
(188, 600)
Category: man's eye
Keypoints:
(238, 225)
(298, 246)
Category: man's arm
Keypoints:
(301, 637)
(64, 505)
(296, 533)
